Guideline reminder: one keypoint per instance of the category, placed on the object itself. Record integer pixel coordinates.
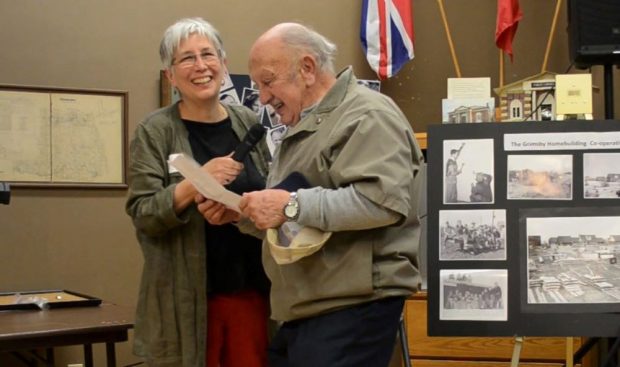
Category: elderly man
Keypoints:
(341, 305)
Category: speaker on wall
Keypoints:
(594, 32)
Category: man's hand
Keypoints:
(214, 212)
(265, 207)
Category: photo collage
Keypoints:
(525, 224)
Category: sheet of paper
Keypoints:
(573, 94)
(204, 182)
(461, 88)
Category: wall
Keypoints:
(81, 239)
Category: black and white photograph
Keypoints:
(601, 175)
(473, 294)
(468, 166)
(536, 177)
(472, 234)
(229, 97)
(250, 99)
(270, 117)
(274, 137)
(573, 260)
(372, 84)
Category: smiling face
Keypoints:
(197, 69)
(281, 81)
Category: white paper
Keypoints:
(461, 88)
(562, 141)
(204, 182)
(573, 94)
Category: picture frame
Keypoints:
(63, 137)
(45, 299)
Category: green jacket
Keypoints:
(170, 325)
(354, 136)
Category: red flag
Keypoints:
(508, 16)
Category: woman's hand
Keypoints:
(223, 169)
(215, 213)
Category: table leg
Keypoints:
(49, 357)
(110, 354)
(88, 355)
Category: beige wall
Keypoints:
(82, 240)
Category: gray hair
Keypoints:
(305, 39)
(180, 31)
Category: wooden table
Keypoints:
(24, 330)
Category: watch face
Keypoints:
(290, 210)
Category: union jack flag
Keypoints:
(387, 35)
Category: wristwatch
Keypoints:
(291, 209)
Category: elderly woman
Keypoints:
(189, 264)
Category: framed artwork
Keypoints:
(63, 137)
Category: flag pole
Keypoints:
(452, 52)
(551, 32)
(501, 68)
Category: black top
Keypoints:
(233, 258)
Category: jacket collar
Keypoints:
(334, 97)
(336, 94)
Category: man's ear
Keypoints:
(308, 70)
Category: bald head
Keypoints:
(293, 69)
(298, 40)
(277, 32)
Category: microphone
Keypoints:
(254, 135)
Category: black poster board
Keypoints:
(525, 241)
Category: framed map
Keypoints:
(62, 137)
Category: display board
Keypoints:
(524, 229)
